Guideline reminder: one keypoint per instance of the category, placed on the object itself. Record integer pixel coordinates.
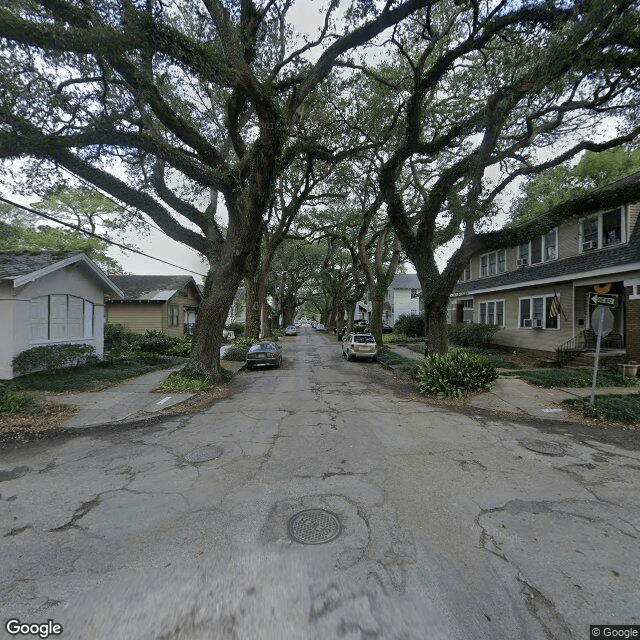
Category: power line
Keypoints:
(106, 195)
(95, 235)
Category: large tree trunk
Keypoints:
(212, 316)
(377, 307)
(435, 330)
(253, 307)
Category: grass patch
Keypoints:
(613, 407)
(418, 347)
(389, 358)
(189, 379)
(91, 377)
(550, 378)
(399, 338)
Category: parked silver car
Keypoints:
(359, 345)
(291, 330)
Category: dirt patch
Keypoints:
(34, 423)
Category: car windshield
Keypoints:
(364, 339)
(263, 346)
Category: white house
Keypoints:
(50, 297)
(402, 297)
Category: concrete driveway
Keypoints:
(437, 524)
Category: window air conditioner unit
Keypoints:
(526, 323)
(587, 246)
(537, 323)
(522, 262)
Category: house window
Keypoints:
(174, 315)
(540, 249)
(493, 263)
(60, 317)
(535, 313)
(466, 274)
(551, 245)
(603, 230)
(467, 311)
(536, 250)
(611, 227)
(491, 312)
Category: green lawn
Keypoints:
(418, 347)
(549, 378)
(87, 378)
(388, 357)
(618, 407)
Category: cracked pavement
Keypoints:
(453, 524)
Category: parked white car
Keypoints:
(291, 330)
(320, 327)
(359, 345)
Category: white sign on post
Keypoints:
(602, 324)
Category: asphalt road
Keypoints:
(444, 525)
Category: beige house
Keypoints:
(50, 297)
(162, 303)
(541, 294)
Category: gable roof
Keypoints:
(154, 288)
(22, 267)
(405, 281)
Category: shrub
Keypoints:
(236, 352)
(236, 327)
(114, 332)
(13, 401)
(52, 357)
(155, 341)
(181, 347)
(411, 326)
(245, 342)
(456, 373)
(468, 334)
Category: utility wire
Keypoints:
(95, 235)
(107, 196)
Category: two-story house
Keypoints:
(403, 298)
(541, 293)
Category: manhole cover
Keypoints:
(547, 448)
(314, 526)
(203, 454)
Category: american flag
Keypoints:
(555, 308)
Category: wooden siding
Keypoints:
(140, 316)
(540, 339)
(568, 243)
(136, 316)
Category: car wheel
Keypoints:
(374, 359)
(350, 356)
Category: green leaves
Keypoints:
(456, 373)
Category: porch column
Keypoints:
(632, 324)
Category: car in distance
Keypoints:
(387, 329)
(320, 327)
(359, 345)
(291, 330)
(265, 353)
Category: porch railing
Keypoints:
(573, 347)
(585, 341)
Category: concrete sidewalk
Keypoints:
(512, 395)
(134, 398)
